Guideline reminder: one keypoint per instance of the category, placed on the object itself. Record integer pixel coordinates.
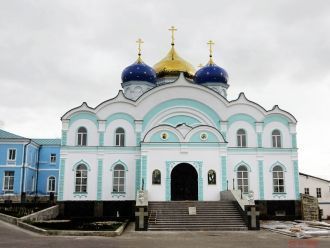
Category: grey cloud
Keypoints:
(56, 54)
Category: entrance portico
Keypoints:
(184, 183)
(186, 178)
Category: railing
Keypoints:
(240, 200)
(153, 217)
(247, 207)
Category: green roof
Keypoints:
(7, 135)
(55, 142)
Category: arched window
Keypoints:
(241, 138)
(278, 179)
(81, 178)
(119, 179)
(276, 138)
(243, 179)
(82, 136)
(156, 177)
(211, 177)
(120, 137)
(51, 184)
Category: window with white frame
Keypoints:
(11, 154)
(278, 179)
(306, 191)
(8, 181)
(82, 136)
(241, 138)
(120, 137)
(318, 193)
(81, 179)
(51, 184)
(119, 179)
(276, 139)
(53, 158)
(243, 179)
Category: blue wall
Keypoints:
(46, 168)
(38, 167)
(4, 150)
(17, 178)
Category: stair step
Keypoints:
(221, 215)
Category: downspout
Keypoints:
(23, 168)
(37, 176)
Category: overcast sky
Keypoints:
(56, 54)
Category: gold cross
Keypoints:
(172, 29)
(210, 43)
(139, 42)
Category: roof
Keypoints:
(55, 142)
(306, 175)
(7, 135)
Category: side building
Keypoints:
(317, 187)
(28, 167)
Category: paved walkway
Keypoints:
(12, 236)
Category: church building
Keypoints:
(172, 132)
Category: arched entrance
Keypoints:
(184, 183)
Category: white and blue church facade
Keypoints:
(173, 132)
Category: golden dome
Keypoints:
(173, 64)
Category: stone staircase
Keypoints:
(212, 215)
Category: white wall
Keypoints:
(312, 183)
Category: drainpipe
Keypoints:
(23, 168)
(37, 176)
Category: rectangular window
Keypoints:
(11, 154)
(8, 182)
(82, 139)
(306, 191)
(318, 193)
(120, 139)
(52, 158)
(277, 141)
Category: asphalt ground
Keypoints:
(12, 236)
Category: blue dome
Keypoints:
(211, 73)
(139, 71)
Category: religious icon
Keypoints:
(203, 136)
(156, 179)
(211, 177)
(164, 136)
